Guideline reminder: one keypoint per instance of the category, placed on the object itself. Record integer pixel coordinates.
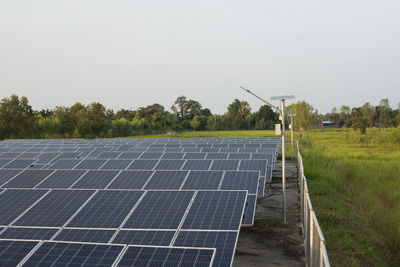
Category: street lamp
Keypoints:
(291, 127)
(281, 111)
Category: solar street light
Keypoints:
(281, 111)
(291, 128)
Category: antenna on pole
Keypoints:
(281, 111)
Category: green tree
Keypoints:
(238, 115)
(383, 112)
(17, 119)
(96, 114)
(265, 118)
(305, 117)
(368, 113)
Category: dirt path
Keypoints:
(270, 242)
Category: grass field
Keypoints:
(355, 191)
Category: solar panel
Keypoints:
(151, 155)
(156, 238)
(249, 210)
(217, 156)
(15, 201)
(90, 164)
(130, 180)
(109, 155)
(254, 165)
(74, 254)
(28, 155)
(167, 256)
(130, 155)
(194, 164)
(239, 156)
(172, 156)
(55, 208)
(218, 210)
(85, 235)
(166, 180)
(19, 164)
(12, 252)
(241, 180)
(106, 209)
(10, 155)
(203, 180)
(169, 164)
(116, 164)
(4, 162)
(221, 164)
(6, 175)
(223, 242)
(65, 163)
(143, 164)
(160, 210)
(94, 179)
(45, 158)
(28, 233)
(28, 179)
(61, 179)
(195, 156)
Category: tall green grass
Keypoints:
(355, 191)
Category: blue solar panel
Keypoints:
(12, 252)
(155, 238)
(74, 254)
(170, 164)
(143, 164)
(61, 179)
(116, 164)
(172, 156)
(247, 150)
(261, 186)
(4, 162)
(6, 175)
(173, 149)
(239, 156)
(15, 201)
(195, 156)
(19, 164)
(166, 180)
(83, 235)
(130, 155)
(29, 233)
(55, 208)
(130, 180)
(45, 158)
(28, 155)
(107, 209)
(90, 164)
(249, 210)
(209, 150)
(229, 150)
(217, 156)
(167, 256)
(10, 155)
(160, 210)
(203, 180)
(218, 210)
(28, 179)
(223, 242)
(241, 180)
(254, 165)
(109, 155)
(151, 155)
(95, 179)
(65, 164)
(221, 164)
(194, 164)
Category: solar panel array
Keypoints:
(129, 201)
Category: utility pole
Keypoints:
(291, 127)
(281, 111)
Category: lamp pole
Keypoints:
(281, 111)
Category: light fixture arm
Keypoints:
(269, 104)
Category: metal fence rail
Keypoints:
(314, 241)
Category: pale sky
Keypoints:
(129, 54)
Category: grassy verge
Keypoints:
(355, 191)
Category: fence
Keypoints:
(314, 241)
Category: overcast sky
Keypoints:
(128, 54)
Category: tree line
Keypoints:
(19, 120)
